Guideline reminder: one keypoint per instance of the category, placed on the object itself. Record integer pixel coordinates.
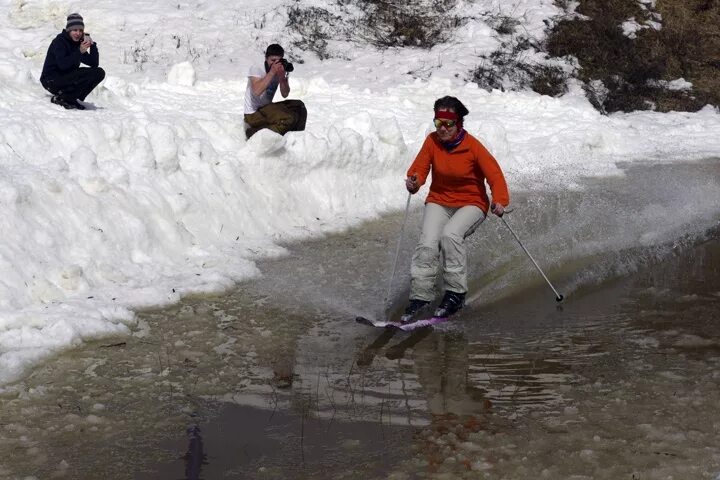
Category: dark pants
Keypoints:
(280, 117)
(75, 85)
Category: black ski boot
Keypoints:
(412, 309)
(63, 102)
(451, 303)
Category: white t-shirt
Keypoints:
(254, 102)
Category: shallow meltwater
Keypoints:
(621, 381)
(275, 380)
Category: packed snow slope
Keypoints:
(154, 193)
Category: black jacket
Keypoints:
(63, 57)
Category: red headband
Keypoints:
(447, 115)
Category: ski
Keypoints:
(405, 327)
(377, 323)
(421, 323)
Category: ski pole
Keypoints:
(558, 297)
(397, 250)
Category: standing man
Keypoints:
(263, 82)
(62, 75)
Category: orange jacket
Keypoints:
(458, 177)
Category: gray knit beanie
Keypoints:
(74, 20)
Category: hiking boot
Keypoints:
(451, 303)
(412, 309)
(59, 100)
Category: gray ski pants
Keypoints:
(444, 230)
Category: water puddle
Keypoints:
(275, 381)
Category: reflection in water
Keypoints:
(367, 355)
(195, 457)
(457, 377)
(525, 377)
(441, 364)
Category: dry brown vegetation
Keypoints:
(382, 23)
(619, 73)
(686, 46)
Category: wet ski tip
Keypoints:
(376, 323)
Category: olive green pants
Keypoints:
(280, 117)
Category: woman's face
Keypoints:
(76, 34)
(445, 132)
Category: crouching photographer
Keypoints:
(263, 82)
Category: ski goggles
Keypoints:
(441, 122)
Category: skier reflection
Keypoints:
(366, 357)
(441, 362)
(195, 456)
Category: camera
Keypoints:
(287, 65)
